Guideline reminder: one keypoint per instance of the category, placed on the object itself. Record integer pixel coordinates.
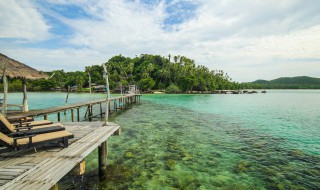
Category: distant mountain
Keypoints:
(300, 82)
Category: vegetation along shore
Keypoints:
(172, 74)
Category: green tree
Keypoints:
(146, 84)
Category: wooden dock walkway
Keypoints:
(116, 104)
(43, 169)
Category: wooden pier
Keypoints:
(43, 169)
(115, 104)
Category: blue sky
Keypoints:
(248, 39)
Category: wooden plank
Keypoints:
(10, 173)
(3, 182)
(12, 170)
(18, 167)
(7, 177)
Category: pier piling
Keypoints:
(103, 154)
(72, 115)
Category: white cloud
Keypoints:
(121, 25)
(21, 19)
(69, 59)
(248, 39)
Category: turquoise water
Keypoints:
(253, 141)
(41, 100)
(290, 114)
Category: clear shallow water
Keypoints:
(258, 141)
(290, 114)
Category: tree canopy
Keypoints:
(149, 72)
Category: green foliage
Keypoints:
(183, 73)
(146, 84)
(173, 89)
(42, 85)
(150, 72)
(13, 85)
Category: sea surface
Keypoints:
(245, 141)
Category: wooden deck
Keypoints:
(44, 168)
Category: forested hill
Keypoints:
(300, 82)
(149, 72)
(172, 73)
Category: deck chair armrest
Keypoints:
(19, 128)
(17, 134)
(18, 119)
(15, 139)
(22, 124)
(23, 137)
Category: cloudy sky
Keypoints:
(248, 39)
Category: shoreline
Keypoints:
(245, 91)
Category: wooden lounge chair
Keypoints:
(8, 128)
(29, 141)
(23, 121)
(18, 119)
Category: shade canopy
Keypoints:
(15, 69)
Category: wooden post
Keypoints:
(90, 112)
(117, 132)
(58, 116)
(45, 116)
(103, 154)
(100, 110)
(5, 90)
(79, 169)
(72, 114)
(67, 98)
(78, 114)
(109, 107)
(105, 75)
(25, 97)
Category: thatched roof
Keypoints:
(15, 69)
